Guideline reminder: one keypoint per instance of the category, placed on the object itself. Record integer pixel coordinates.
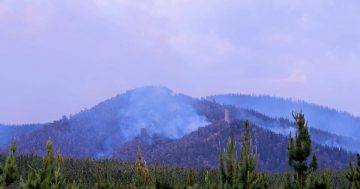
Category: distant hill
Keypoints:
(285, 126)
(163, 119)
(10, 132)
(97, 131)
(277, 125)
(201, 148)
(319, 117)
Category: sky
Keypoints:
(59, 57)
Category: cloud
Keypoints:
(25, 17)
(205, 49)
(197, 47)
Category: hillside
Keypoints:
(97, 131)
(10, 132)
(323, 118)
(215, 111)
(201, 148)
(183, 129)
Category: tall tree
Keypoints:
(162, 178)
(299, 149)
(103, 182)
(249, 177)
(190, 178)
(228, 173)
(241, 172)
(209, 184)
(320, 182)
(142, 177)
(1, 171)
(353, 175)
(50, 176)
(9, 173)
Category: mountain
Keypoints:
(97, 131)
(277, 125)
(285, 126)
(201, 148)
(319, 117)
(10, 132)
(162, 119)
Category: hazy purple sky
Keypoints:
(60, 56)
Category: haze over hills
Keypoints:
(200, 148)
(330, 120)
(97, 131)
(156, 115)
(8, 132)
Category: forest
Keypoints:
(237, 169)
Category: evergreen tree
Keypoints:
(241, 172)
(9, 173)
(299, 149)
(73, 185)
(208, 182)
(190, 178)
(1, 172)
(313, 164)
(162, 179)
(103, 182)
(353, 175)
(50, 176)
(228, 174)
(320, 183)
(32, 181)
(190, 183)
(290, 183)
(343, 184)
(142, 178)
(249, 178)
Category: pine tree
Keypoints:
(50, 176)
(31, 182)
(241, 172)
(190, 178)
(103, 182)
(320, 183)
(353, 175)
(73, 185)
(142, 178)
(9, 172)
(249, 178)
(228, 174)
(290, 183)
(299, 149)
(1, 171)
(162, 179)
(247, 160)
(343, 184)
(208, 182)
(190, 183)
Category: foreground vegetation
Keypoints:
(237, 170)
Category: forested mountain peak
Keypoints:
(158, 116)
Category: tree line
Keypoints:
(237, 170)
